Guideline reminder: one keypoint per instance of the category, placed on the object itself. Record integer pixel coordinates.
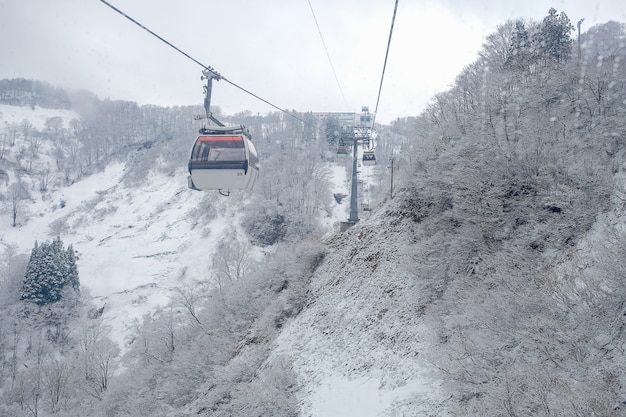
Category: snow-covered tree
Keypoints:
(17, 193)
(50, 270)
(553, 39)
(521, 47)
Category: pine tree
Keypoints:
(521, 50)
(50, 269)
(553, 39)
(332, 130)
(72, 270)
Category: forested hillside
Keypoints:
(491, 284)
(109, 179)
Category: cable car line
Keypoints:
(206, 67)
(328, 55)
(395, 9)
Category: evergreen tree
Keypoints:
(72, 269)
(521, 50)
(50, 269)
(553, 39)
(333, 130)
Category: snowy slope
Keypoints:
(365, 342)
(37, 116)
(134, 243)
(356, 347)
(372, 341)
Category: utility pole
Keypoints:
(579, 23)
(391, 192)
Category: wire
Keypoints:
(198, 62)
(395, 9)
(328, 55)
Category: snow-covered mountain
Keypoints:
(382, 331)
(390, 330)
(491, 284)
(136, 242)
(396, 321)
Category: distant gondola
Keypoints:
(223, 158)
(369, 158)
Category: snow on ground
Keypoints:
(341, 368)
(356, 347)
(42, 212)
(339, 185)
(37, 116)
(134, 244)
(362, 397)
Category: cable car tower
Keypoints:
(223, 158)
(362, 135)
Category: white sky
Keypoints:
(271, 48)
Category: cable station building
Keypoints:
(347, 119)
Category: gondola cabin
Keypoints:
(369, 158)
(223, 159)
(342, 150)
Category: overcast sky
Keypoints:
(271, 48)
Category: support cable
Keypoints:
(328, 55)
(382, 77)
(198, 62)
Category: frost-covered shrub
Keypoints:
(265, 226)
